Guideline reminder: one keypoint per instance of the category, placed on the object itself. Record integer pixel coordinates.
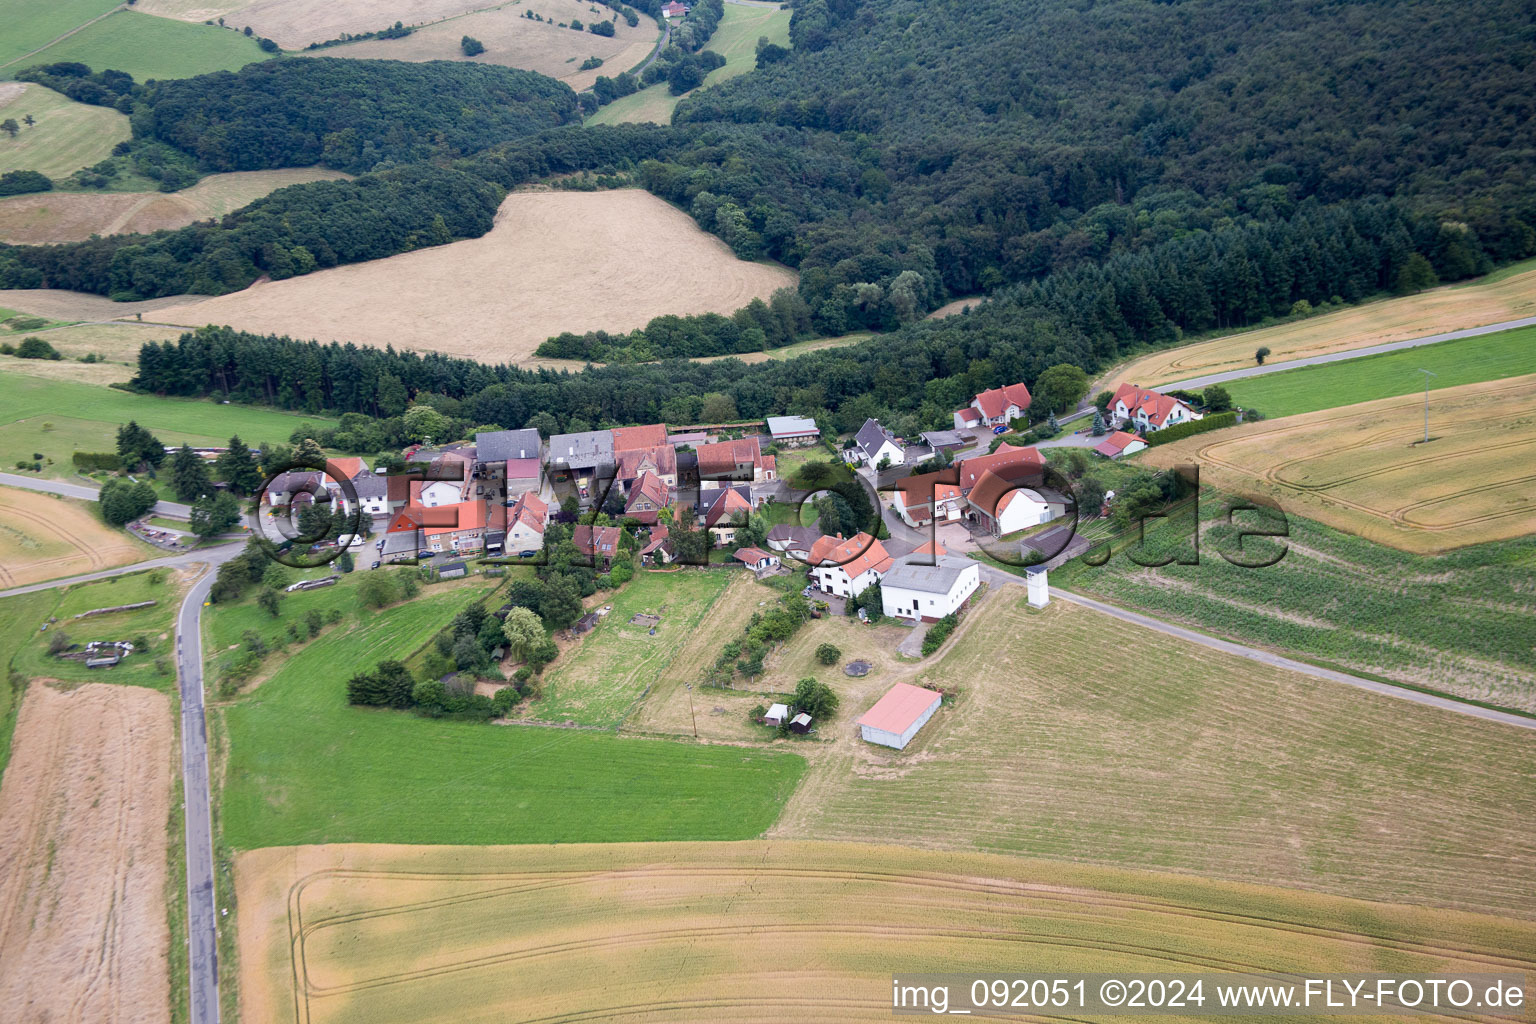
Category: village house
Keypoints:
(726, 463)
(285, 486)
(673, 10)
(649, 495)
(723, 510)
(512, 459)
(659, 461)
(526, 519)
(1148, 409)
(794, 541)
(659, 548)
(844, 568)
(873, 444)
(996, 407)
(581, 460)
(1119, 443)
(462, 537)
(628, 439)
(371, 489)
(928, 585)
(1003, 504)
(793, 431)
(756, 559)
(947, 495)
(600, 543)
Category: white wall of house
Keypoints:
(441, 492)
(522, 537)
(901, 603)
(833, 580)
(888, 450)
(1025, 508)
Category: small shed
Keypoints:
(897, 716)
(776, 714)
(801, 723)
(452, 570)
(104, 662)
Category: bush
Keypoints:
(815, 699)
(828, 654)
(15, 183)
(939, 632)
(36, 348)
(1215, 421)
(601, 28)
(92, 461)
(471, 46)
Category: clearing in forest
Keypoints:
(65, 137)
(1502, 296)
(48, 217)
(765, 932)
(83, 856)
(1074, 736)
(514, 40)
(555, 261)
(44, 538)
(1365, 468)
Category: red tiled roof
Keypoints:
(902, 705)
(414, 517)
(994, 490)
(659, 536)
(469, 515)
(661, 458)
(969, 415)
(606, 539)
(524, 469)
(1007, 456)
(855, 556)
(347, 467)
(718, 461)
(1155, 404)
(529, 510)
(751, 555)
(994, 401)
(652, 488)
(726, 507)
(627, 439)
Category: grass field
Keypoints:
(1078, 737)
(513, 40)
(51, 217)
(294, 24)
(66, 137)
(44, 538)
(29, 25)
(735, 40)
(305, 767)
(555, 261)
(20, 616)
(31, 421)
(1464, 361)
(1499, 297)
(149, 47)
(1365, 469)
(1458, 623)
(765, 932)
(796, 349)
(617, 663)
(117, 344)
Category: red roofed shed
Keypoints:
(897, 716)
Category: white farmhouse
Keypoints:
(927, 593)
(872, 444)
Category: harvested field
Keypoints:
(555, 261)
(66, 137)
(516, 41)
(959, 305)
(1364, 469)
(44, 538)
(1210, 764)
(116, 344)
(294, 24)
(1442, 309)
(58, 304)
(766, 932)
(50, 217)
(86, 798)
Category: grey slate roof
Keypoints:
(501, 445)
(928, 579)
(370, 486)
(581, 451)
(871, 436)
(943, 439)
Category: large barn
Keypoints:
(897, 716)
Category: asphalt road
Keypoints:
(85, 492)
(202, 907)
(218, 554)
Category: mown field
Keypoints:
(1365, 469)
(1459, 623)
(735, 39)
(66, 137)
(29, 25)
(146, 47)
(514, 40)
(117, 345)
(43, 538)
(304, 767)
(56, 418)
(1464, 361)
(617, 663)
(555, 261)
(1509, 294)
(294, 24)
(51, 217)
(767, 932)
(1077, 737)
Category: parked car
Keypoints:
(375, 565)
(1001, 428)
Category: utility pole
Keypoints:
(1427, 375)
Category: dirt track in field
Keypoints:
(762, 931)
(44, 538)
(85, 801)
(555, 261)
(50, 217)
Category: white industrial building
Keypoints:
(912, 590)
(897, 716)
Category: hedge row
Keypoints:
(1214, 421)
(89, 461)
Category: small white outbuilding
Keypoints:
(777, 715)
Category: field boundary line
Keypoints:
(66, 35)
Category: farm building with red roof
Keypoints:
(897, 716)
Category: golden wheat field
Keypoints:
(555, 261)
(44, 538)
(1374, 323)
(1366, 469)
(761, 931)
